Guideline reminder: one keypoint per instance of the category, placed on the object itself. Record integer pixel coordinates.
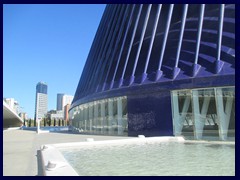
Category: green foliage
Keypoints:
(29, 123)
(44, 122)
(49, 122)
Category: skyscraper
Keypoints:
(63, 100)
(41, 103)
(59, 101)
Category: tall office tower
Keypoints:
(160, 70)
(41, 104)
(63, 100)
(59, 101)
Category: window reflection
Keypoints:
(107, 116)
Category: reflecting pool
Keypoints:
(153, 159)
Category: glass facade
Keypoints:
(106, 116)
(207, 113)
(41, 88)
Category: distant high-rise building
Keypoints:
(41, 104)
(59, 101)
(63, 100)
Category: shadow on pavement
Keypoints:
(39, 164)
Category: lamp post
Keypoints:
(38, 125)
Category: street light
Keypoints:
(38, 124)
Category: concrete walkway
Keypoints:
(21, 149)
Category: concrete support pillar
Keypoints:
(223, 115)
(95, 116)
(119, 116)
(199, 121)
(198, 125)
(90, 109)
(81, 118)
(85, 112)
(102, 116)
(110, 115)
(177, 125)
(179, 119)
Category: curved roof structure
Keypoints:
(139, 45)
(160, 70)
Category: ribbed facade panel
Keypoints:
(160, 69)
(142, 44)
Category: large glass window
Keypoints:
(204, 113)
(107, 116)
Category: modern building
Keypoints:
(13, 104)
(11, 117)
(160, 70)
(66, 109)
(63, 100)
(59, 101)
(41, 103)
(53, 114)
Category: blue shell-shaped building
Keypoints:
(160, 70)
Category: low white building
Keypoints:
(53, 114)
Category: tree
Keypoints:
(54, 123)
(44, 121)
(35, 122)
(29, 122)
(49, 121)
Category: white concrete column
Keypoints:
(119, 115)
(223, 115)
(86, 116)
(177, 123)
(228, 110)
(90, 109)
(38, 125)
(95, 116)
(81, 114)
(110, 115)
(80, 119)
(83, 117)
(184, 111)
(124, 107)
(198, 122)
(102, 116)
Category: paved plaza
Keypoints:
(21, 149)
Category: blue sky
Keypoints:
(47, 43)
